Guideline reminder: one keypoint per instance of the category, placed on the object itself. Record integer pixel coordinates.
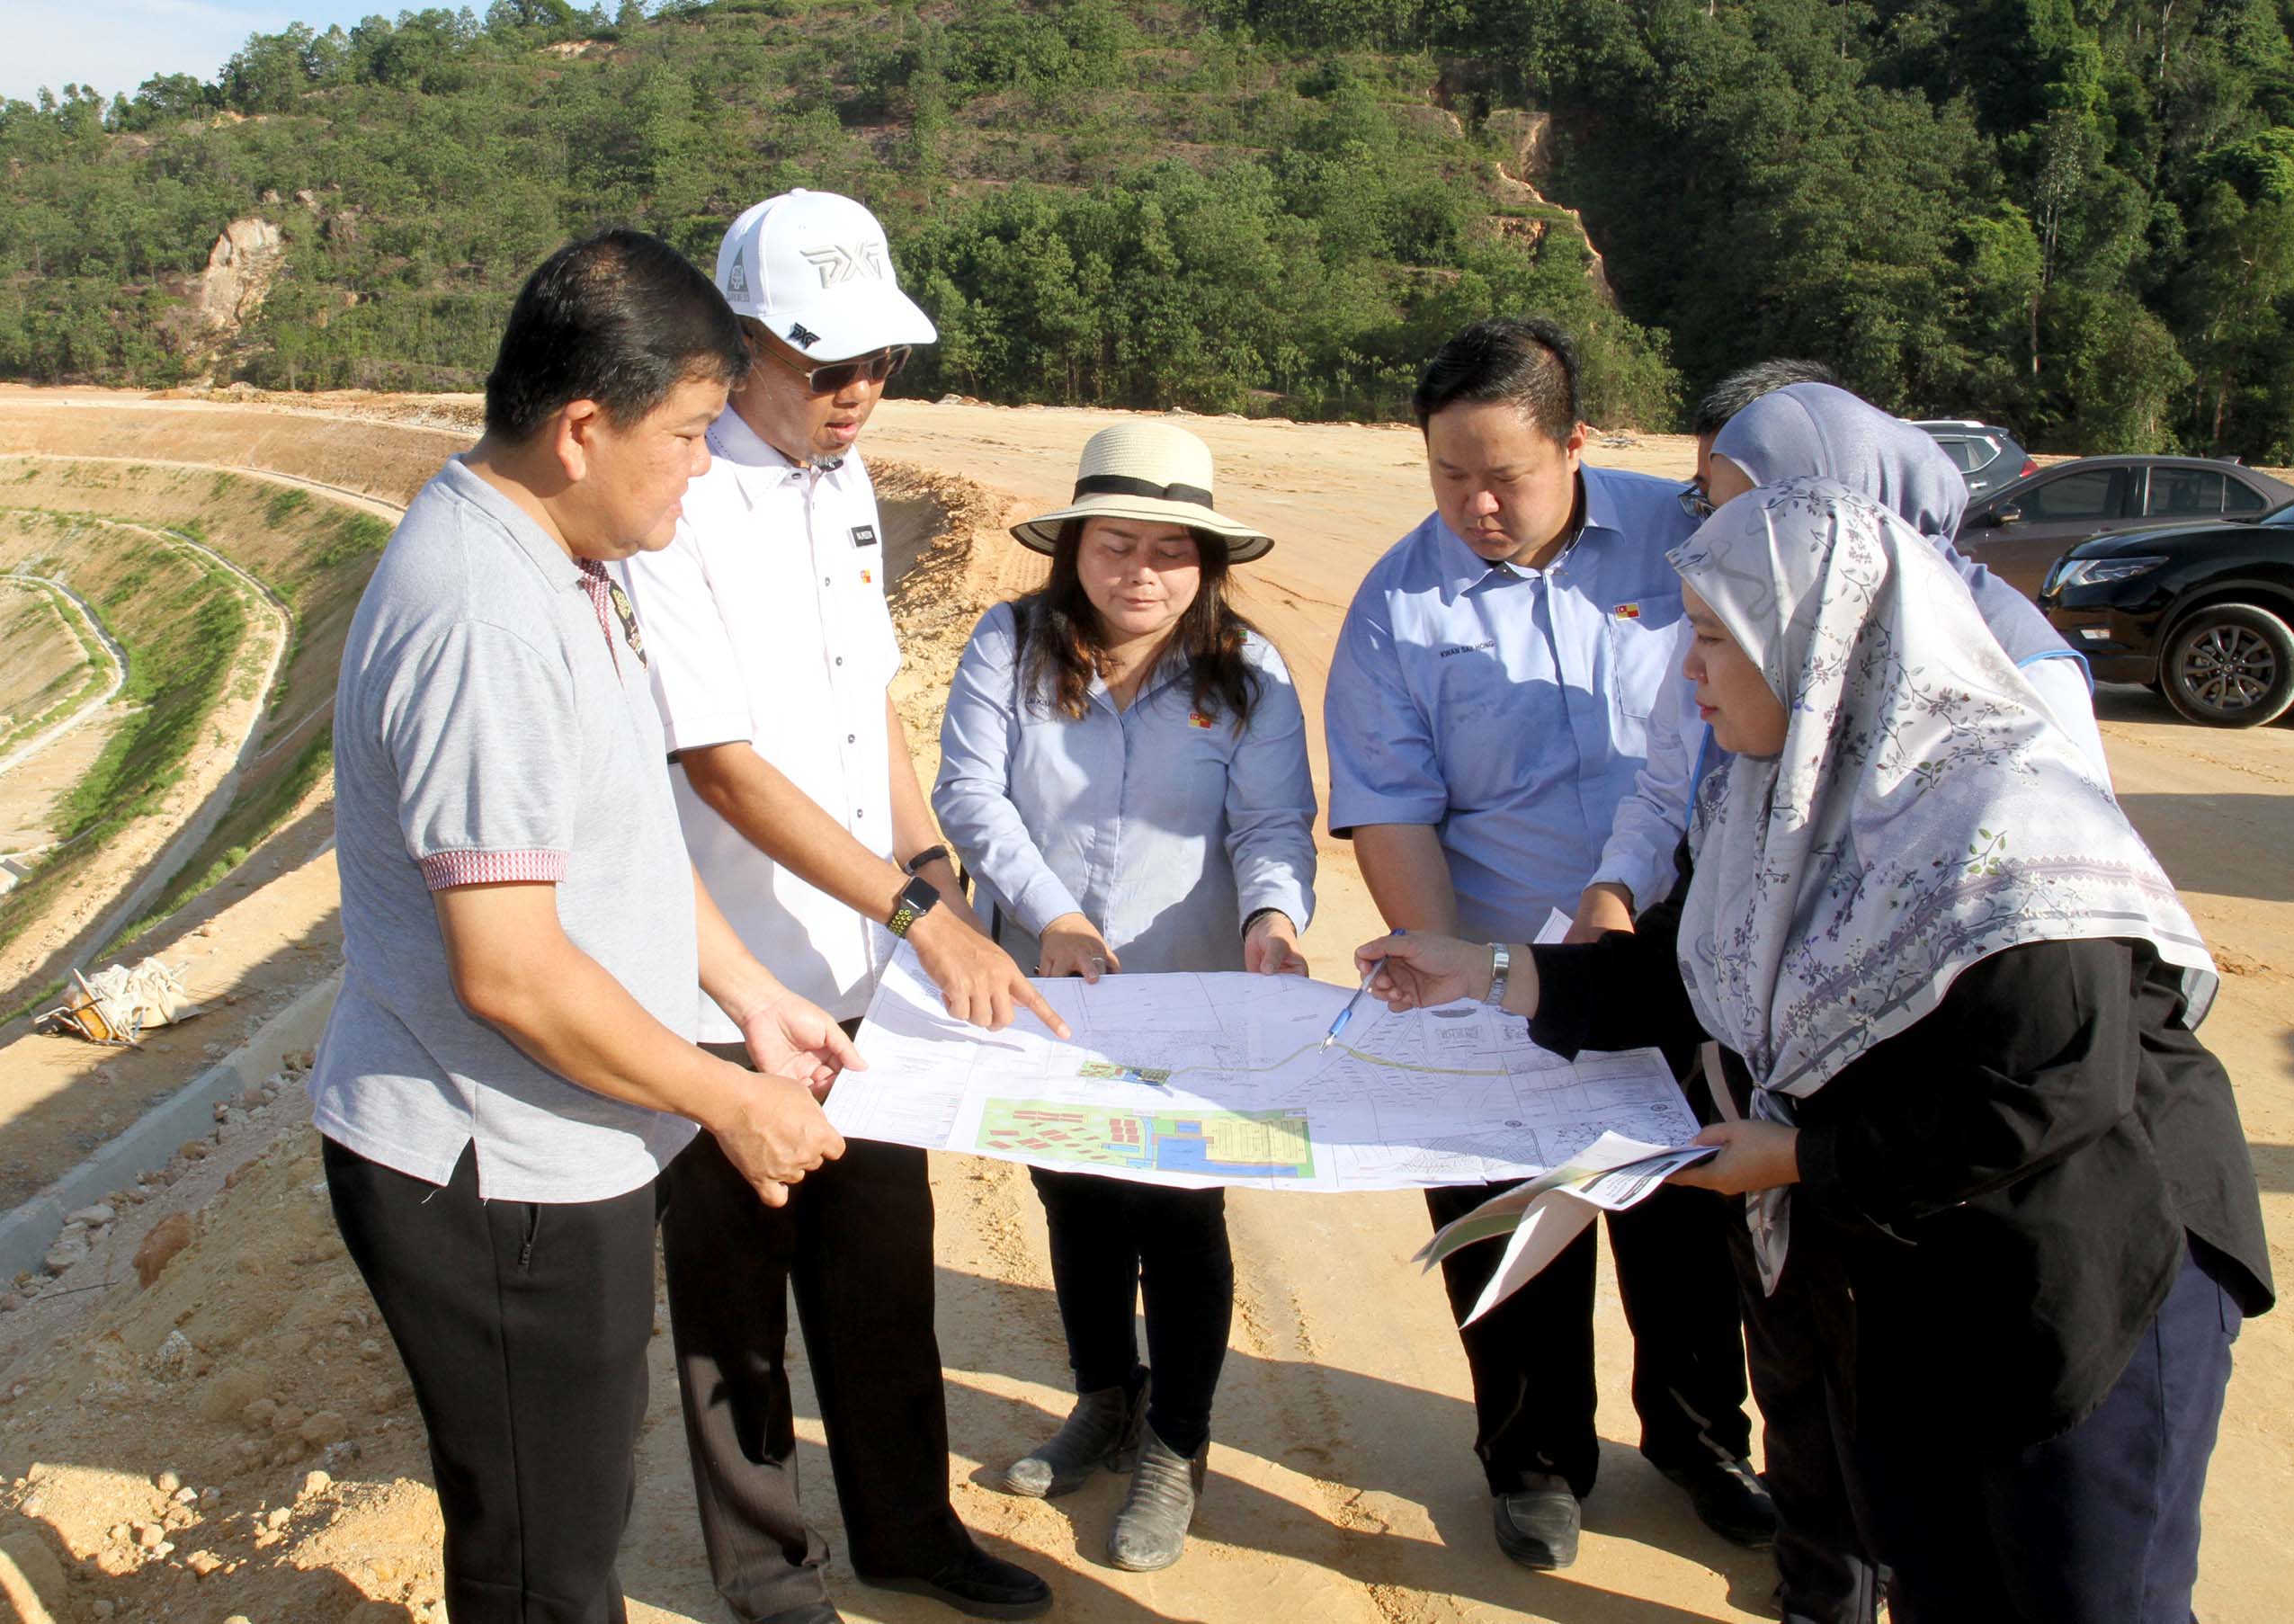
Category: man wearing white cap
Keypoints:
(772, 657)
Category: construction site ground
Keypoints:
(252, 1374)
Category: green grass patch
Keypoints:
(182, 628)
(284, 505)
(96, 670)
(249, 824)
(356, 535)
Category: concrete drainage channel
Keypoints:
(151, 1141)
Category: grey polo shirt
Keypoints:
(492, 722)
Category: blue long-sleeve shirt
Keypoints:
(1509, 708)
(1163, 826)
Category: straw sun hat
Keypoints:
(1155, 471)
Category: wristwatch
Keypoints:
(916, 898)
(1500, 963)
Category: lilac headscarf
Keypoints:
(1813, 431)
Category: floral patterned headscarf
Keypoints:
(1924, 813)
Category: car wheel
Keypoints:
(2230, 665)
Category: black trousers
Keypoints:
(524, 1328)
(854, 1242)
(2097, 1526)
(1824, 1570)
(1112, 1242)
(1533, 1355)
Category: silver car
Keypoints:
(1987, 455)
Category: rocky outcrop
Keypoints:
(240, 269)
(220, 300)
(1531, 135)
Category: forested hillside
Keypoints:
(2075, 217)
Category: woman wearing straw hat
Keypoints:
(1123, 767)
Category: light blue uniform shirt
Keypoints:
(1163, 827)
(1509, 708)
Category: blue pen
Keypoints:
(1347, 1014)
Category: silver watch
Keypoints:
(1500, 963)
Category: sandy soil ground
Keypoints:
(1343, 1483)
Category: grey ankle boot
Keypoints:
(1151, 1529)
(1101, 1430)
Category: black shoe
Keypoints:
(1537, 1524)
(811, 1612)
(979, 1586)
(1730, 1499)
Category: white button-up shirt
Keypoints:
(765, 622)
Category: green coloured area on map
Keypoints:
(1214, 1144)
(1115, 1071)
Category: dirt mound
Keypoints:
(181, 1445)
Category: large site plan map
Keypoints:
(1222, 1079)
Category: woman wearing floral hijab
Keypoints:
(1954, 996)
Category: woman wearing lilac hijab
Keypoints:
(1814, 431)
(1953, 1000)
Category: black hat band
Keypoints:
(1123, 484)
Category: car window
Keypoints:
(2185, 493)
(1969, 454)
(2091, 493)
(2242, 499)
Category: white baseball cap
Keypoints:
(816, 268)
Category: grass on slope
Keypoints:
(30, 638)
(313, 552)
(183, 622)
(253, 819)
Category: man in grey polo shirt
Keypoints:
(510, 1062)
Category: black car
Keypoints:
(2200, 613)
(2022, 528)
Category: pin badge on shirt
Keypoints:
(1196, 718)
(865, 535)
(1627, 611)
(626, 612)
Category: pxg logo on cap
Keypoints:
(839, 263)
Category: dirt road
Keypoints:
(1344, 1487)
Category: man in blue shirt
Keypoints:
(1488, 709)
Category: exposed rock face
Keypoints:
(240, 269)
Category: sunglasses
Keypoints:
(1695, 503)
(840, 375)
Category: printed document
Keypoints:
(1215, 1079)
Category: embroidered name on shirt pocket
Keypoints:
(1643, 643)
